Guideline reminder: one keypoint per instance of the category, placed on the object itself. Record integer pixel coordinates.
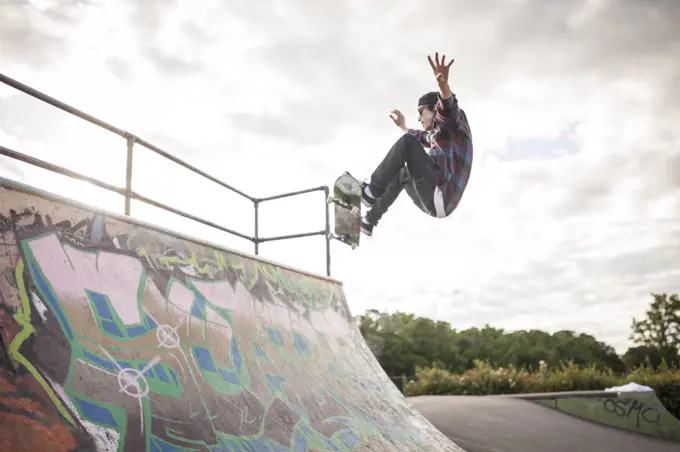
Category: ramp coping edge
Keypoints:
(20, 186)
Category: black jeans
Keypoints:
(406, 165)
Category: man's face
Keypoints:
(426, 117)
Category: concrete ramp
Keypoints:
(512, 424)
(118, 336)
(639, 412)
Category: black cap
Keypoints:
(428, 99)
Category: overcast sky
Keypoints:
(572, 215)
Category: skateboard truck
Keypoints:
(343, 239)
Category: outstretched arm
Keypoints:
(446, 110)
(444, 90)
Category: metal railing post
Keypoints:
(326, 191)
(325, 232)
(128, 173)
(257, 226)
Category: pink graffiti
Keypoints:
(71, 272)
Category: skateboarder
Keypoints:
(435, 181)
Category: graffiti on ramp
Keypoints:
(639, 412)
(119, 337)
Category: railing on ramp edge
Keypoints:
(129, 194)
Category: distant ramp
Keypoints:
(639, 412)
(495, 423)
(120, 336)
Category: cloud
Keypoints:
(149, 19)
(571, 216)
(120, 67)
(36, 35)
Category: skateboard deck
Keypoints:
(347, 199)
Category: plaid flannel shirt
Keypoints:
(450, 144)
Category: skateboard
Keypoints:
(347, 199)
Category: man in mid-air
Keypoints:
(435, 181)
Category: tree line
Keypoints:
(402, 342)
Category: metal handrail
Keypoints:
(129, 194)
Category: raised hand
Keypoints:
(398, 118)
(440, 69)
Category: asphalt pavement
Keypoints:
(499, 424)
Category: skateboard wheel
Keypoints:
(354, 246)
(329, 200)
(355, 210)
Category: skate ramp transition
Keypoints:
(120, 336)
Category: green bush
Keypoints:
(483, 379)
